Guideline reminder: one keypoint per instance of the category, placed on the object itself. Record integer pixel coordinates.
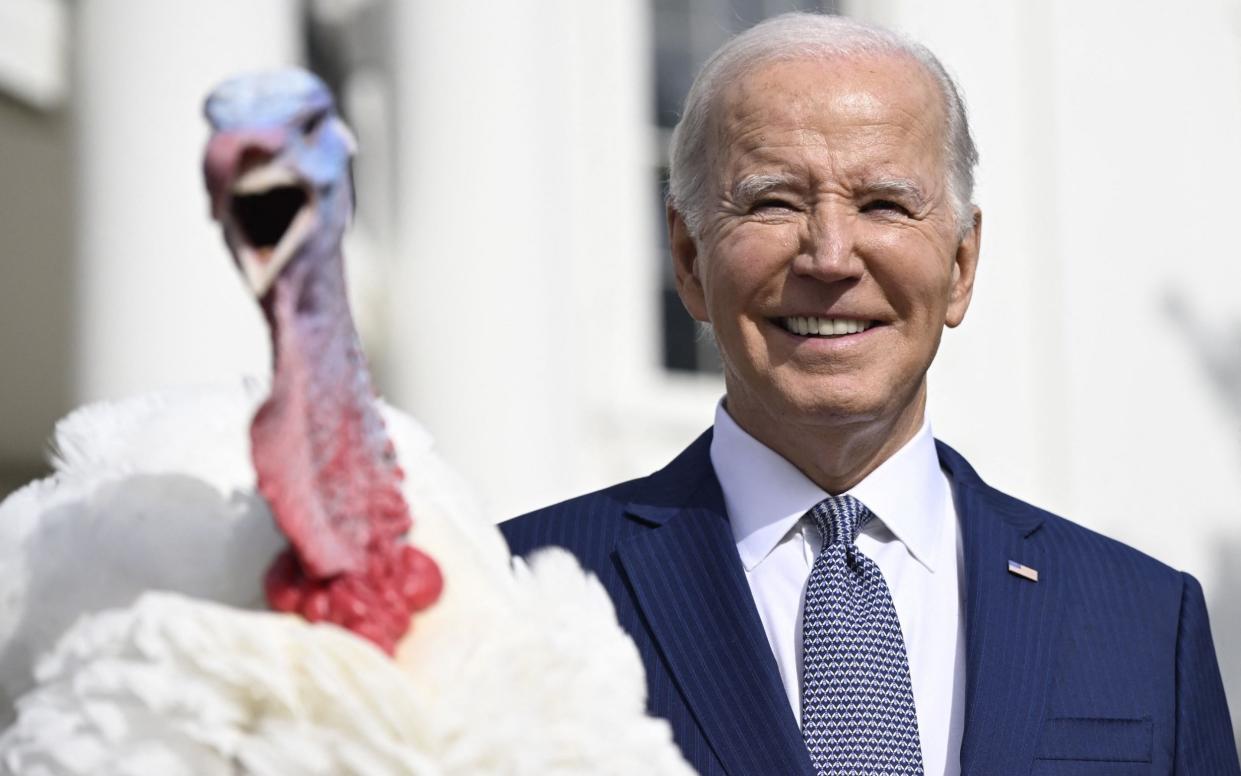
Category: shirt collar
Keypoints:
(766, 495)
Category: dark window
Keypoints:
(686, 33)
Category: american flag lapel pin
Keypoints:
(1022, 570)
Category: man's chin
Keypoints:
(780, 413)
(832, 411)
(830, 399)
(828, 404)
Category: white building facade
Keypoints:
(508, 260)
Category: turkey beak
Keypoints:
(264, 206)
(230, 153)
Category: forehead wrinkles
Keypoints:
(885, 105)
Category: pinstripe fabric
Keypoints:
(1198, 681)
(1105, 665)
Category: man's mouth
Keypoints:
(811, 326)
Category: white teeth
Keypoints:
(823, 327)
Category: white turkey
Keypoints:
(136, 631)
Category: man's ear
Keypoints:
(685, 263)
(964, 268)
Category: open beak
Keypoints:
(266, 207)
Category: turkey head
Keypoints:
(277, 169)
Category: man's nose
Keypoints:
(828, 249)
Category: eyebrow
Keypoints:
(895, 187)
(751, 187)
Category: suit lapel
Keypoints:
(1011, 624)
(692, 591)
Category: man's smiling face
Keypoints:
(829, 211)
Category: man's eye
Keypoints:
(885, 206)
(771, 203)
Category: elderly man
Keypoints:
(816, 585)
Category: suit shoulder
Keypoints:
(590, 525)
(593, 519)
(1089, 552)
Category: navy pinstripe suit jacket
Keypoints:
(1103, 666)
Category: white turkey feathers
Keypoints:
(152, 493)
(173, 686)
(516, 669)
(174, 680)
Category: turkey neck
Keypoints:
(324, 461)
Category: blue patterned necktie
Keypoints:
(857, 702)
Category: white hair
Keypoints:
(794, 36)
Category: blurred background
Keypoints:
(509, 267)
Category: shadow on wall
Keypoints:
(1217, 349)
(36, 284)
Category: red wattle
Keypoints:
(327, 468)
(422, 583)
(377, 605)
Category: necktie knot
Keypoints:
(839, 519)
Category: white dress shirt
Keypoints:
(914, 539)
